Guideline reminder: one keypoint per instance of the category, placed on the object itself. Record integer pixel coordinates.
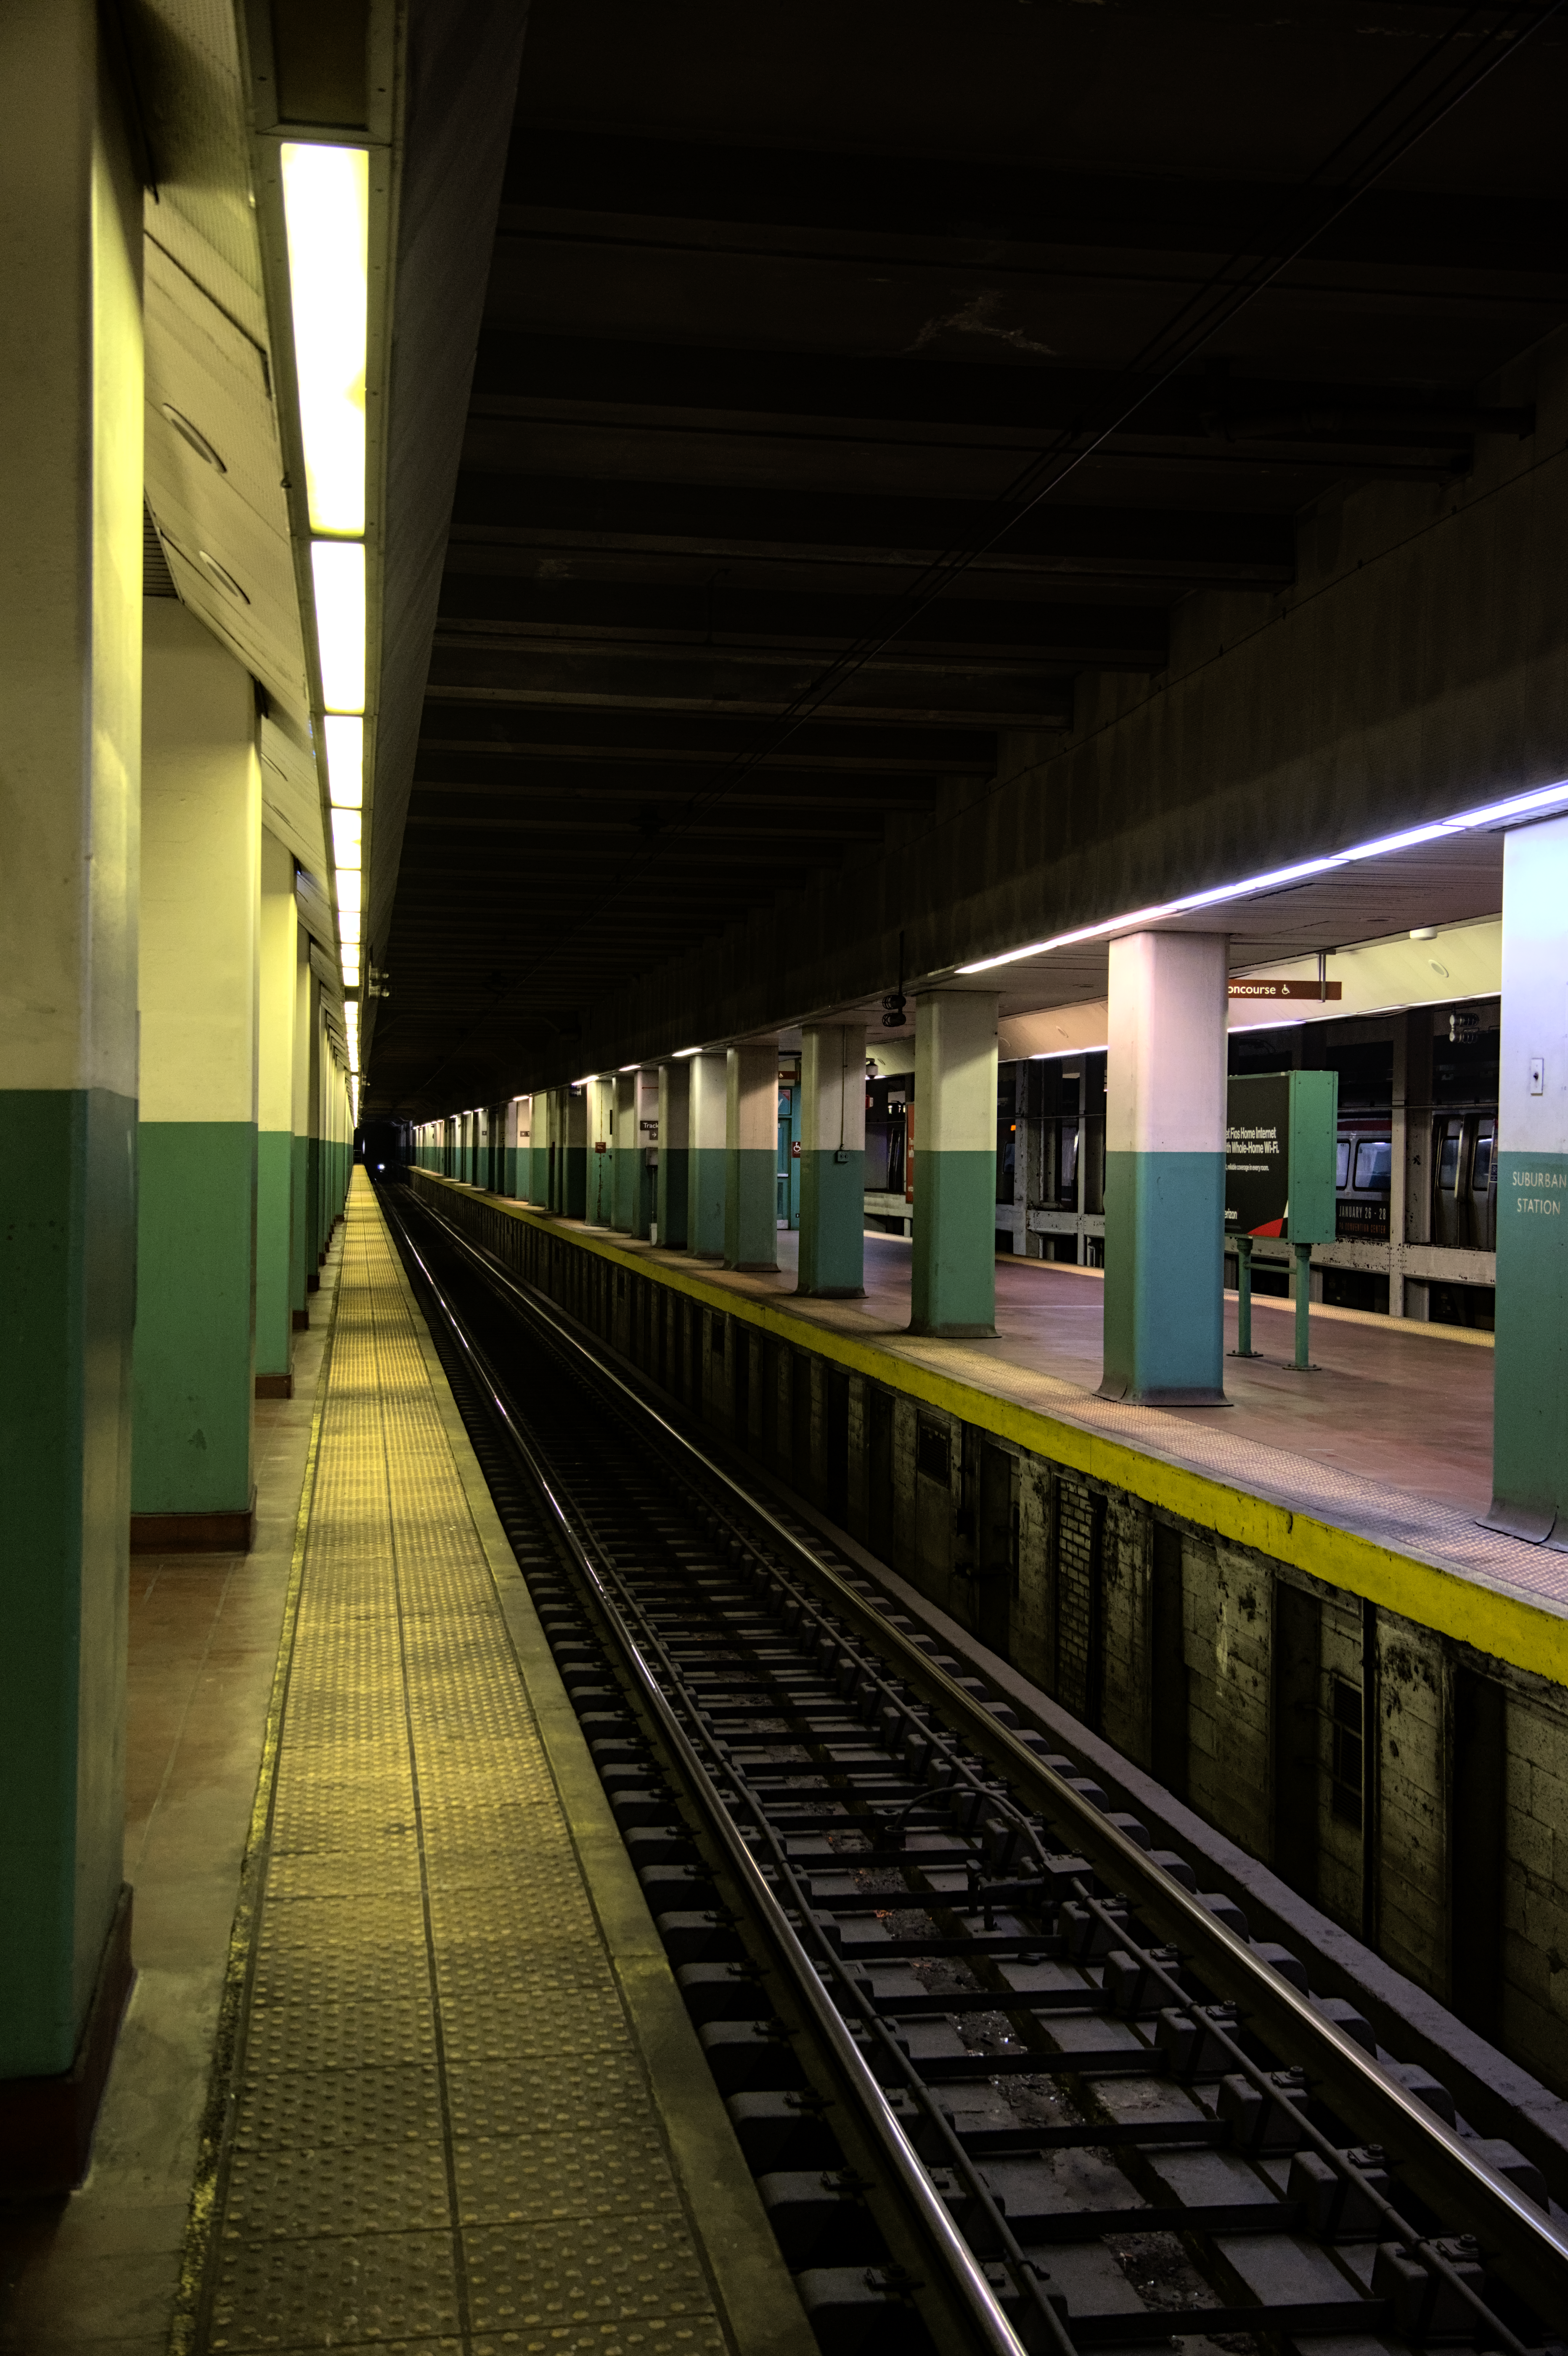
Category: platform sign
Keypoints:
(1281, 1130)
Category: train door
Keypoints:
(1483, 1202)
(1450, 1181)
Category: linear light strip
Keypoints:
(1519, 806)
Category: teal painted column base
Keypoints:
(1529, 1369)
(751, 1209)
(514, 1156)
(539, 1175)
(705, 1202)
(623, 1190)
(832, 1226)
(275, 1188)
(576, 1181)
(953, 1292)
(1164, 1331)
(300, 1252)
(673, 1176)
(192, 1361)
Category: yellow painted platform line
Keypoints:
(1510, 1627)
(470, 2110)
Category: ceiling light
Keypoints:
(347, 825)
(348, 895)
(631, 1067)
(338, 570)
(1424, 933)
(344, 761)
(682, 1053)
(1535, 804)
(327, 214)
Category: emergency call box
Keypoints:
(1281, 1131)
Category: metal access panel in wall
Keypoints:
(214, 479)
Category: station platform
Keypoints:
(1370, 1473)
(405, 2063)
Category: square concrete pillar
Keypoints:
(196, 1229)
(705, 1179)
(600, 1149)
(675, 1153)
(624, 1156)
(833, 1160)
(275, 1120)
(71, 660)
(751, 1156)
(1165, 1170)
(574, 1152)
(1529, 1420)
(953, 1277)
(538, 1150)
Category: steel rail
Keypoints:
(991, 2327)
(1445, 2170)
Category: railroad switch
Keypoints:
(1421, 2305)
(1332, 2207)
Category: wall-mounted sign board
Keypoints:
(1281, 1130)
(1318, 992)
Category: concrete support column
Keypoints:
(751, 1156)
(1165, 1170)
(600, 1149)
(538, 1150)
(953, 1277)
(275, 1121)
(833, 1160)
(196, 1142)
(675, 1153)
(301, 1249)
(574, 1152)
(707, 1122)
(512, 1145)
(70, 620)
(647, 1148)
(625, 1172)
(1530, 1417)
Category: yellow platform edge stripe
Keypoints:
(1526, 1634)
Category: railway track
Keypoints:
(1006, 2079)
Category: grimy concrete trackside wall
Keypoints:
(1411, 1785)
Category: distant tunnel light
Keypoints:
(346, 827)
(344, 761)
(327, 214)
(338, 567)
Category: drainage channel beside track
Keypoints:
(1006, 2078)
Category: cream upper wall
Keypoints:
(200, 858)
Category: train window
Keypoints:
(1448, 1162)
(1342, 1165)
(1375, 1165)
(1345, 1755)
(1481, 1174)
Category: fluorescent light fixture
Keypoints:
(326, 213)
(682, 1053)
(1536, 804)
(576, 1084)
(344, 761)
(631, 1067)
(348, 881)
(346, 830)
(338, 567)
(1061, 1054)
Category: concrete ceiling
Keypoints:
(784, 310)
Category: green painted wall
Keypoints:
(67, 1282)
(1165, 1224)
(705, 1202)
(954, 1275)
(832, 1225)
(275, 1250)
(751, 1207)
(623, 1166)
(302, 1262)
(674, 1172)
(196, 1243)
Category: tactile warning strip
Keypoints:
(443, 2135)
